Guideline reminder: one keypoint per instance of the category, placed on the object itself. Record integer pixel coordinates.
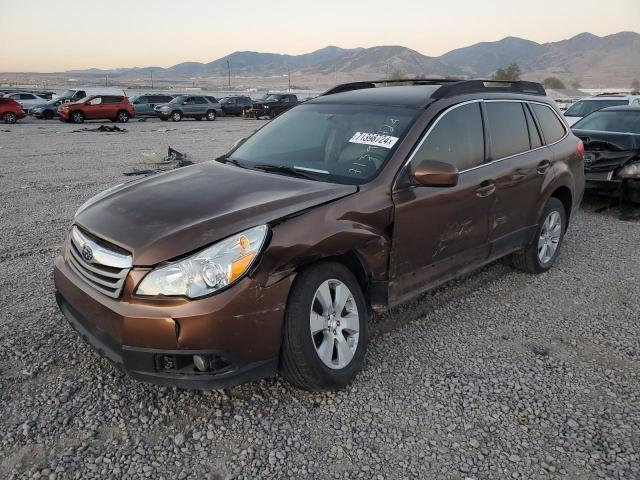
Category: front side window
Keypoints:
(620, 121)
(337, 143)
(457, 139)
(552, 128)
(508, 129)
(583, 108)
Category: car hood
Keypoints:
(168, 215)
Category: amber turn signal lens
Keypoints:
(240, 266)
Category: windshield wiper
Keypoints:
(287, 171)
(232, 161)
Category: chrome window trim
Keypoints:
(425, 136)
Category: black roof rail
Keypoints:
(481, 86)
(611, 94)
(346, 87)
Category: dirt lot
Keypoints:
(497, 375)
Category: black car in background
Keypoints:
(273, 104)
(611, 139)
(236, 105)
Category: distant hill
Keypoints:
(612, 60)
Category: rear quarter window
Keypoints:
(508, 128)
(552, 128)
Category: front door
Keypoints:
(441, 232)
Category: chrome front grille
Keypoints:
(103, 266)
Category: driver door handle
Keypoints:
(543, 166)
(485, 189)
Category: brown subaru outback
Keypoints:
(275, 256)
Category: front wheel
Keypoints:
(326, 328)
(211, 115)
(10, 117)
(77, 117)
(540, 255)
(176, 116)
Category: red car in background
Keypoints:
(116, 108)
(10, 110)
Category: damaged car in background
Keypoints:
(274, 257)
(611, 138)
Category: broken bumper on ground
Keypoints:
(156, 341)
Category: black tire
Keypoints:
(77, 117)
(300, 364)
(10, 118)
(211, 115)
(122, 117)
(47, 114)
(176, 116)
(528, 259)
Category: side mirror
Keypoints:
(431, 173)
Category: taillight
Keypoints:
(580, 148)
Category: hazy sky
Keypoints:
(59, 35)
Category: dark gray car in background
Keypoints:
(189, 106)
(144, 104)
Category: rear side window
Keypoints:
(534, 135)
(508, 128)
(212, 99)
(457, 139)
(111, 99)
(552, 128)
(199, 100)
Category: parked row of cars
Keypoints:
(78, 105)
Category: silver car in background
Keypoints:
(189, 106)
(144, 104)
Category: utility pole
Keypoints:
(229, 74)
(106, 80)
(151, 71)
(289, 75)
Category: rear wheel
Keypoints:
(326, 329)
(211, 115)
(176, 116)
(123, 116)
(77, 117)
(540, 255)
(10, 117)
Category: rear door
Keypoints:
(93, 108)
(441, 232)
(522, 165)
(201, 106)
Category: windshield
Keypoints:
(620, 121)
(68, 94)
(179, 99)
(585, 107)
(272, 98)
(336, 143)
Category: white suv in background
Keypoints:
(588, 105)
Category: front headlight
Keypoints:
(630, 171)
(209, 270)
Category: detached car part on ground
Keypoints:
(97, 107)
(272, 105)
(189, 106)
(10, 110)
(274, 257)
(612, 152)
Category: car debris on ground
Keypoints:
(174, 159)
(102, 128)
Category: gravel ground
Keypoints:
(496, 375)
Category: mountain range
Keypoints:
(592, 60)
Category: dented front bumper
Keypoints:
(154, 339)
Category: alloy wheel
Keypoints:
(549, 237)
(334, 323)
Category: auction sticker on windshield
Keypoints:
(375, 139)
